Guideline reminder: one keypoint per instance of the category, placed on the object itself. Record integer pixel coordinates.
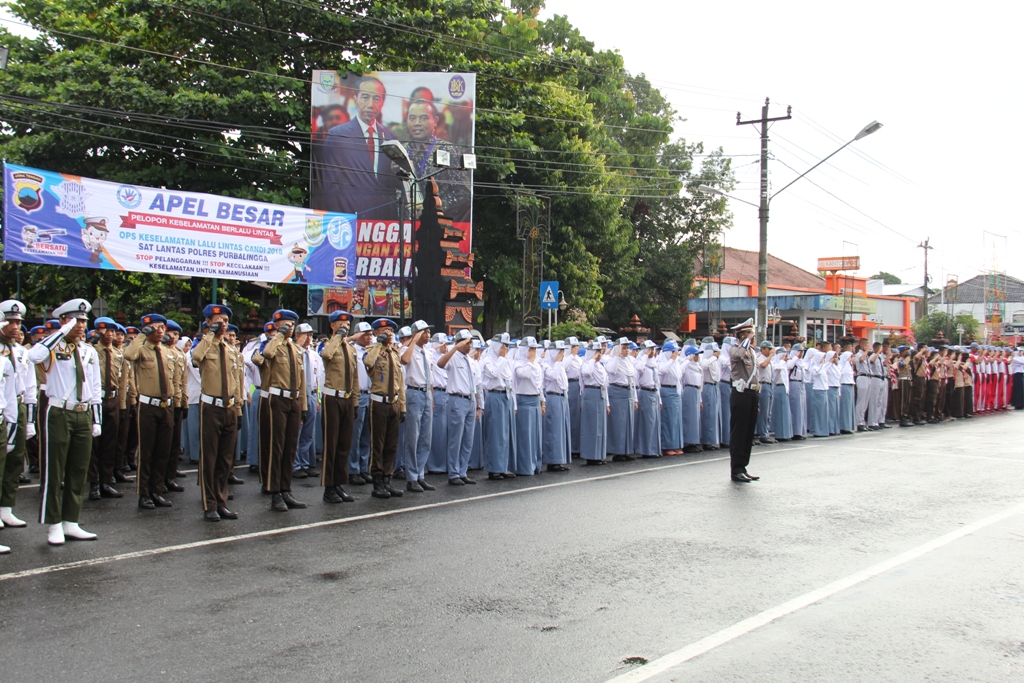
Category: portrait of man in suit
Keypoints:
(355, 176)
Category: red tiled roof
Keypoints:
(741, 265)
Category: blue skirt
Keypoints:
(437, 462)
(724, 411)
(847, 402)
(671, 419)
(691, 415)
(499, 432)
(709, 416)
(593, 425)
(620, 421)
(833, 410)
(556, 430)
(819, 411)
(575, 400)
(526, 456)
(647, 439)
(782, 423)
(809, 414)
(476, 456)
(765, 409)
(797, 408)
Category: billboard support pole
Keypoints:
(213, 292)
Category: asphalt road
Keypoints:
(805, 575)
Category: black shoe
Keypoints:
(331, 496)
(413, 486)
(232, 479)
(231, 496)
(395, 493)
(400, 473)
(24, 479)
(178, 474)
(751, 477)
(467, 480)
(862, 428)
(277, 503)
(131, 467)
(121, 478)
(768, 440)
(160, 501)
(174, 486)
(212, 516)
(742, 478)
(563, 468)
(621, 458)
(345, 498)
(299, 474)
(108, 491)
(425, 486)
(709, 448)
(366, 477)
(146, 503)
(254, 469)
(845, 431)
(494, 476)
(94, 492)
(290, 501)
(799, 437)
(509, 475)
(312, 471)
(594, 463)
(227, 514)
(885, 426)
(378, 487)
(456, 482)
(34, 469)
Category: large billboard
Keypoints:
(68, 220)
(351, 117)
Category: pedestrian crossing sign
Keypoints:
(549, 294)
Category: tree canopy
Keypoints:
(887, 278)
(927, 328)
(213, 96)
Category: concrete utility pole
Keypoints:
(924, 297)
(762, 214)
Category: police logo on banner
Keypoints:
(339, 232)
(314, 230)
(28, 191)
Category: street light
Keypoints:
(762, 211)
(960, 330)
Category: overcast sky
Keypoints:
(939, 76)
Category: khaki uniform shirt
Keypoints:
(214, 378)
(147, 360)
(281, 366)
(385, 370)
(178, 360)
(113, 379)
(342, 373)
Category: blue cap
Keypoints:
(383, 322)
(233, 328)
(344, 316)
(691, 350)
(268, 327)
(37, 329)
(216, 309)
(173, 326)
(121, 329)
(152, 318)
(104, 323)
(670, 346)
(285, 314)
(131, 329)
(633, 346)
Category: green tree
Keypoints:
(888, 278)
(926, 329)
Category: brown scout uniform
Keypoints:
(387, 403)
(283, 377)
(219, 408)
(155, 416)
(341, 399)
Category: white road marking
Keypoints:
(744, 627)
(49, 569)
(944, 454)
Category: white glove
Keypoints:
(67, 327)
(10, 447)
(97, 430)
(30, 430)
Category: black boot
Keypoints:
(395, 493)
(345, 498)
(378, 487)
(290, 501)
(94, 492)
(277, 503)
(425, 486)
(331, 495)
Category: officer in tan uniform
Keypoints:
(219, 409)
(284, 379)
(179, 360)
(101, 467)
(341, 398)
(387, 407)
(155, 417)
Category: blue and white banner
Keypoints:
(68, 220)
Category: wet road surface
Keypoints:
(562, 577)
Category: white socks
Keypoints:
(77, 533)
(7, 517)
(4, 550)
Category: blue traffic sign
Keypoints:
(549, 294)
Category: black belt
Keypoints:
(621, 386)
(695, 386)
(495, 391)
(441, 390)
(465, 396)
(409, 386)
(646, 389)
(711, 384)
(574, 379)
(592, 386)
(780, 384)
(554, 393)
(670, 386)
